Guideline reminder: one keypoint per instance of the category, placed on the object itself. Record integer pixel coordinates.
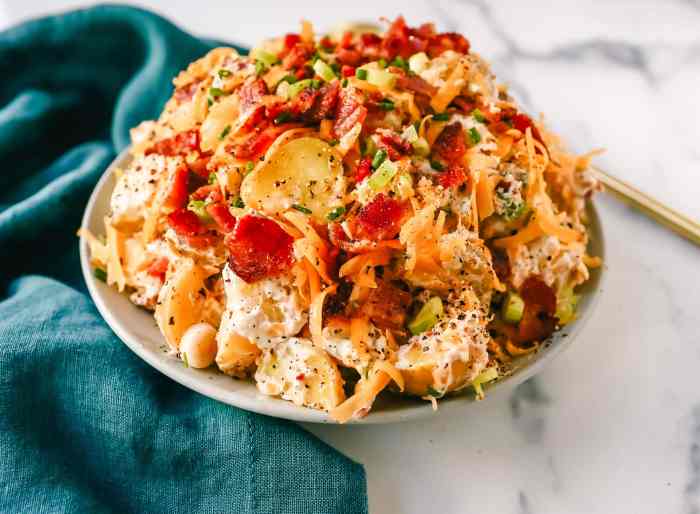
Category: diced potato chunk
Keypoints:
(304, 172)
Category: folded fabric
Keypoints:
(85, 426)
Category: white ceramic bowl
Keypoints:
(137, 328)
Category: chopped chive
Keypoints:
(344, 83)
(210, 102)
(442, 116)
(100, 274)
(238, 203)
(289, 79)
(315, 84)
(260, 67)
(301, 208)
(361, 74)
(335, 213)
(212, 178)
(249, 166)
(434, 393)
(474, 135)
(437, 165)
(283, 117)
(478, 116)
(215, 92)
(333, 142)
(225, 132)
(382, 63)
(184, 359)
(386, 105)
(199, 207)
(379, 158)
(400, 62)
(224, 73)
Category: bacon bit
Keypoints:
(327, 43)
(185, 93)
(538, 320)
(379, 219)
(290, 41)
(450, 144)
(186, 223)
(210, 192)
(364, 169)
(180, 144)
(297, 56)
(177, 197)
(346, 40)
(416, 84)
(447, 41)
(259, 248)
(158, 268)
(386, 306)
(464, 104)
(349, 110)
(336, 303)
(347, 71)
(349, 57)
(199, 166)
(454, 176)
(393, 143)
(222, 216)
(396, 40)
(258, 142)
(324, 104)
(501, 265)
(251, 93)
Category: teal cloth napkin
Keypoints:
(85, 426)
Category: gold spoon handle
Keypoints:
(680, 224)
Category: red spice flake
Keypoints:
(454, 176)
(364, 169)
(259, 248)
(177, 196)
(450, 145)
(222, 216)
(251, 93)
(300, 376)
(380, 219)
(180, 144)
(158, 268)
(349, 111)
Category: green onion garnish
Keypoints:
(383, 175)
(215, 92)
(382, 63)
(379, 158)
(443, 116)
(386, 105)
(224, 73)
(225, 132)
(212, 178)
(301, 208)
(260, 67)
(400, 62)
(199, 207)
(381, 78)
(315, 84)
(100, 274)
(238, 203)
(427, 316)
(249, 166)
(283, 117)
(478, 116)
(434, 392)
(437, 165)
(324, 71)
(333, 142)
(361, 74)
(344, 83)
(298, 87)
(335, 213)
(289, 79)
(474, 135)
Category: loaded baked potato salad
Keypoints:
(333, 217)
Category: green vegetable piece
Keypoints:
(298, 87)
(212, 178)
(225, 132)
(437, 165)
(434, 392)
(249, 166)
(383, 175)
(335, 213)
(381, 78)
(386, 105)
(378, 158)
(324, 71)
(345, 82)
(421, 147)
(488, 375)
(567, 301)
(512, 308)
(283, 117)
(216, 92)
(361, 74)
(400, 62)
(427, 317)
(266, 58)
(199, 208)
(441, 116)
(301, 208)
(478, 116)
(238, 203)
(100, 274)
(224, 73)
(474, 136)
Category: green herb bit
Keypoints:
(100, 274)
(344, 83)
(441, 116)
(383, 175)
(249, 166)
(225, 132)
(478, 116)
(379, 158)
(301, 208)
(283, 117)
(427, 317)
(474, 136)
(400, 62)
(199, 207)
(216, 92)
(386, 105)
(437, 165)
(513, 308)
(184, 359)
(315, 84)
(382, 63)
(238, 203)
(212, 178)
(224, 73)
(210, 101)
(361, 74)
(335, 213)
(434, 393)
(260, 67)
(333, 142)
(289, 79)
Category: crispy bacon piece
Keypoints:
(199, 166)
(447, 41)
(180, 144)
(347, 71)
(386, 305)
(222, 216)
(349, 57)
(464, 104)
(416, 84)
(349, 110)
(450, 145)
(538, 321)
(290, 41)
(299, 54)
(257, 143)
(186, 223)
(454, 176)
(394, 145)
(210, 192)
(324, 103)
(251, 93)
(158, 268)
(364, 169)
(337, 302)
(380, 219)
(177, 196)
(259, 248)
(396, 40)
(501, 265)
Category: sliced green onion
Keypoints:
(289, 79)
(361, 73)
(315, 84)
(427, 317)
(386, 105)
(383, 175)
(335, 213)
(260, 68)
(382, 63)
(324, 71)
(410, 134)
(199, 208)
(238, 203)
(379, 158)
(421, 147)
(283, 117)
(344, 83)
(367, 146)
(478, 116)
(249, 166)
(298, 87)
(513, 308)
(212, 178)
(474, 136)
(418, 62)
(301, 208)
(400, 62)
(100, 274)
(437, 165)
(225, 132)
(488, 375)
(442, 116)
(567, 301)
(267, 58)
(434, 392)
(215, 92)
(184, 359)
(381, 78)
(333, 142)
(224, 73)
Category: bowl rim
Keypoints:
(198, 381)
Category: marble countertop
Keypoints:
(613, 425)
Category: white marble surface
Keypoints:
(613, 426)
